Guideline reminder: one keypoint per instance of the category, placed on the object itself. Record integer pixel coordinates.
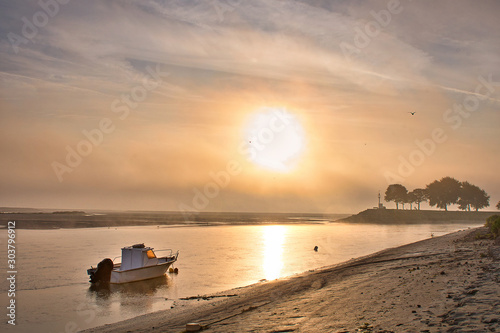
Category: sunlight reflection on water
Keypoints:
(274, 238)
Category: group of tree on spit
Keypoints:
(441, 193)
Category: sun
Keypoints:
(274, 138)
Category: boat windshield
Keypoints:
(151, 254)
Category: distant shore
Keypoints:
(80, 219)
(449, 283)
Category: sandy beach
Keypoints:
(443, 284)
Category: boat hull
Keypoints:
(139, 274)
(138, 263)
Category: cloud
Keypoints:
(262, 38)
(224, 60)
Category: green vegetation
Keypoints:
(498, 205)
(493, 223)
(441, 193)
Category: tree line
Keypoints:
(441, 193)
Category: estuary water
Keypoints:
(52, 288)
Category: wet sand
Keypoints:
(444, 284)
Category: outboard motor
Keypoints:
(103, 272)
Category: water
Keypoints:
(53, 293)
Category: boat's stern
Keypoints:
(101, 274)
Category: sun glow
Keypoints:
(275, 139)
(274, 238)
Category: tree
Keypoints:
(443, 192)
(466, 196)
(498, 205)
(410, 199)
(418, 195)
(396, 193)
(471, 195)
(482, 200)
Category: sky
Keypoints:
(232, 105)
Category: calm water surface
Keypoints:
(53, 293)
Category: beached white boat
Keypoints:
(138, 263)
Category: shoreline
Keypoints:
(82, 220)
(447, 283)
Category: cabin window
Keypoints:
(151, 254)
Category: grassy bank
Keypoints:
(390, 216)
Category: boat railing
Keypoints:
(170, 252)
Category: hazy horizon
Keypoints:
(91, 210)
(27, 210)
(262, 106)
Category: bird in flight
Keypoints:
(412, 113)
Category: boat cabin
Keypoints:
(137, 256)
